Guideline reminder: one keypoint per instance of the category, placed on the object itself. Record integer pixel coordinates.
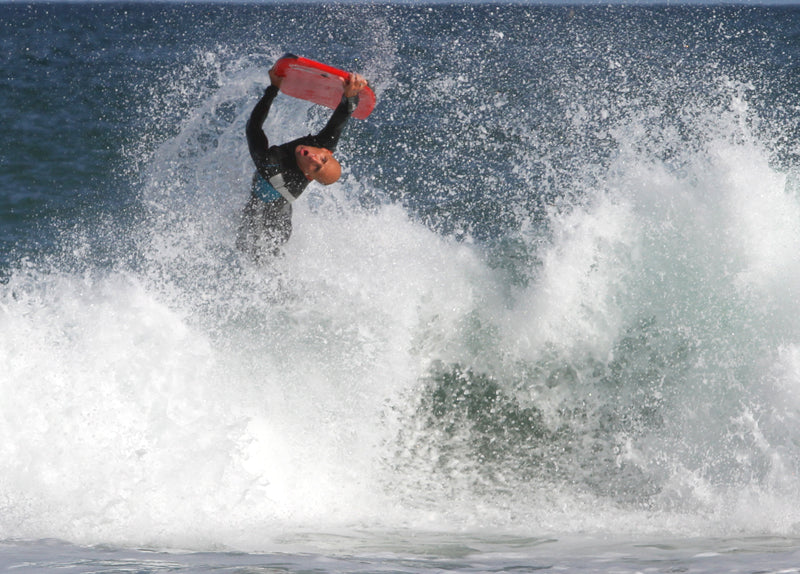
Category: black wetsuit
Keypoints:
(267, 217)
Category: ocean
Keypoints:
(548, 319)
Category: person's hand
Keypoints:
(274, 78)
(354, 84)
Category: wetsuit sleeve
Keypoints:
(329, 136)
(256, 138)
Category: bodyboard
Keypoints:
(319, 83)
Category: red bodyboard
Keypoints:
(319, 83)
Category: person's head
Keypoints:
(318, 164)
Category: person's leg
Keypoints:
(265, 227)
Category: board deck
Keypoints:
(319, 83)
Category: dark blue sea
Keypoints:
(548, 319)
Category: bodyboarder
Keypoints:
(284, 171)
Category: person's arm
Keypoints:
(329, 136)
(256, 138)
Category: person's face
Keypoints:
(317, 163)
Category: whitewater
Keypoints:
(577, 349)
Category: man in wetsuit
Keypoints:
(283, 171)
